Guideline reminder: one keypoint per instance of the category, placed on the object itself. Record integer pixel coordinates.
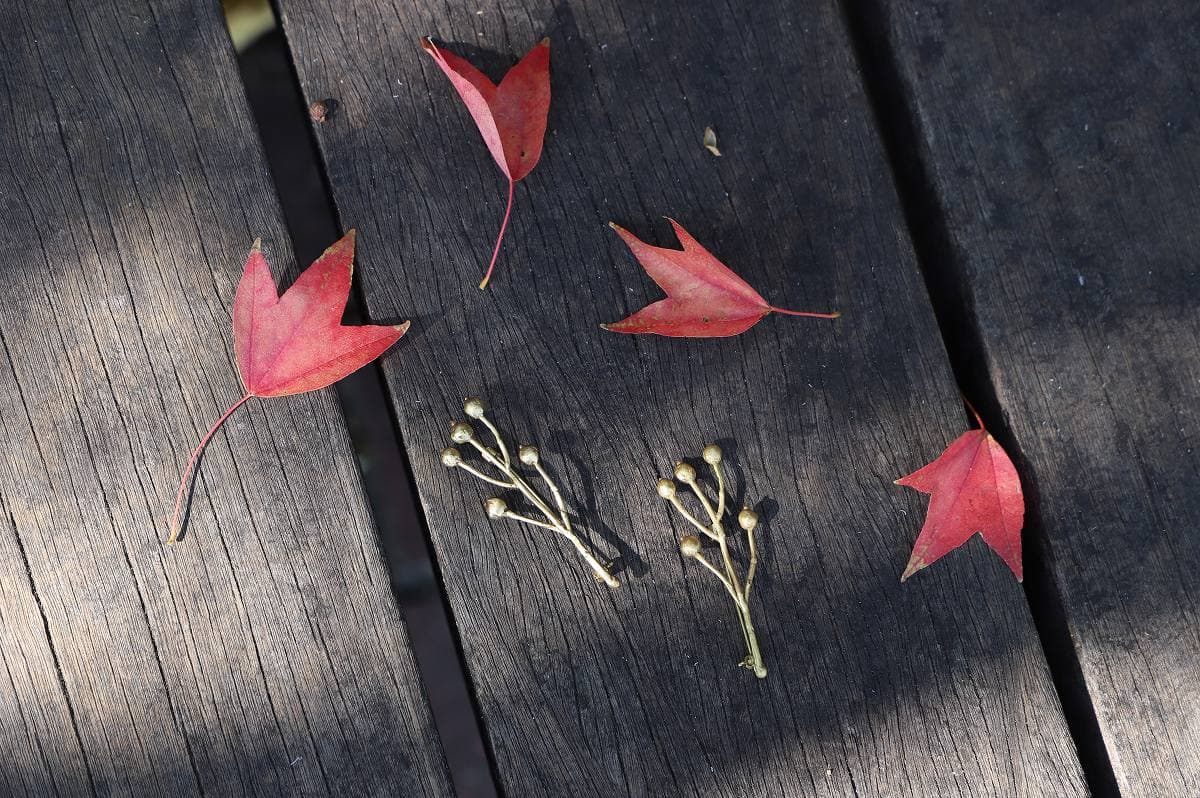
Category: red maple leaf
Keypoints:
(973, 487)
(295, 343)
(510, 116)
(705, 299)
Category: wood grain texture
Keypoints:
(937, 687)
(263, 655)
(1063, 141)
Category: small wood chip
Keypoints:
(710, 141)
(321, 110)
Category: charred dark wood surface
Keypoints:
(937, 687)
(263, 654)
(1060, 150)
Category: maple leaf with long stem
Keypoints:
(294, 343)
(510, 116)
(705, 299)
(973, 487)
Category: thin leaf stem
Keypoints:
(974, 412)
(512, 184)
(187, 472)
(835, 314)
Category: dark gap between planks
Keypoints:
(952, 306)
(273, 92)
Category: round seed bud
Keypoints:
(747, 519)
(666, 488)
(712, 454)
(496, 507)
(451, 457)
(473, 407)
(528, 454)
(685, 473)
(461, 432)
(689, 546)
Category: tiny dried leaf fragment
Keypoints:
(710, 141)
(510, 116)
(554, 511)
(294, 343)
(705, 299)
(973, 487)
(726, 572)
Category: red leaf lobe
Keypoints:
(973, 487)
(294, 343)
(297, 343)
(705, 298)
(511, 117)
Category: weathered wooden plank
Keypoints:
(938, 687)
(1063, 141)
(264, 654)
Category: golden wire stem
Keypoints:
(753, 566)
(726, 573)
(556, 517)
